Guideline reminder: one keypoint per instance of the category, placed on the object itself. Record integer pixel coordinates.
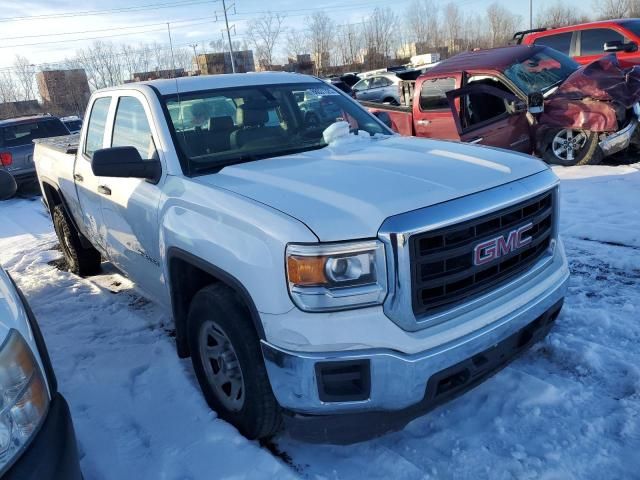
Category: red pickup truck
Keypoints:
(531, 99)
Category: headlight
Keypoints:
(23, 397)
(337, 276)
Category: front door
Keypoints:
(86, 183)
(130, 205)
(491, 116)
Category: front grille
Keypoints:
(443, 272)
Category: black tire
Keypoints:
(81, 261)
(391, 101)
(259, 415)
(589, 154)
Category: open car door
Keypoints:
(491, 116)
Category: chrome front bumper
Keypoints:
(620, 140)
(397, 380)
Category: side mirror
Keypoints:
(384, 117)
(535, 103)
(8, 185)
(620, 46)
(124, 162)
(517, 106)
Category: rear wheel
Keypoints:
(227, 359)
(572, 147)
(391, 101)
(80, 260)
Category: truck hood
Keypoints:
(346, 190)
(594, 97)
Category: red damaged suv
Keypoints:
(587, 42)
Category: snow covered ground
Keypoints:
(569, 408)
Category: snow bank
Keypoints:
(569, 408)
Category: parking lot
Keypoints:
(569, 408)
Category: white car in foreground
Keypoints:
(37, 439)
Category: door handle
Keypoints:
(423, 123)
(103, 189)
(78, 178)
(476, 140)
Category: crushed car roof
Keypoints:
(489, 59)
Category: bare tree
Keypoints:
(297, 43)
(502, 24)
(612, 8)
(558, 15)
(25, 76)
(9, 90)
(321, 29)
(379, 30)
(349, 44)
(263, 34)
(453, 22)
(423, 24)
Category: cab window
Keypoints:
(433, 94)
(480, 108)
(363, 84)
(592, 41)
(380, 82)
(97, 124)
(560, 42)
(131, 128)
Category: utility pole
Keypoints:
(195, 55)
(226, 21)
(530, 14)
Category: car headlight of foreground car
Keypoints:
(337, 276)
(24, 399)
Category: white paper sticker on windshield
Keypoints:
(322, 91)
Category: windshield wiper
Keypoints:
(245, 158)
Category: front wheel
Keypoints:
(569, 147)
(227, 359)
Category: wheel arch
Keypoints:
(187, 275)
(53, 197)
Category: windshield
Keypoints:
(235, 125)
(228, 126)
(540, 72)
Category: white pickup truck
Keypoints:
(321, 270)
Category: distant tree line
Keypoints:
(383, 37)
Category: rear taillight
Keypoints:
(6, 159)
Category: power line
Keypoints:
(110, 10)
(99, 37)
(101, 29)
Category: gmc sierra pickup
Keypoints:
(329, 274)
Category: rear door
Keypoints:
(563, 42)
(431, 113)
(130, 205)
(87, 184)
(491, 116)
(379, 90)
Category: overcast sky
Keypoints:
(194, 21)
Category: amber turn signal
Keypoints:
(306, 271)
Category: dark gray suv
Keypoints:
(16, 143)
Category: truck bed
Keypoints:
(64, 144)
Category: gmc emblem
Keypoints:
(490, 250)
